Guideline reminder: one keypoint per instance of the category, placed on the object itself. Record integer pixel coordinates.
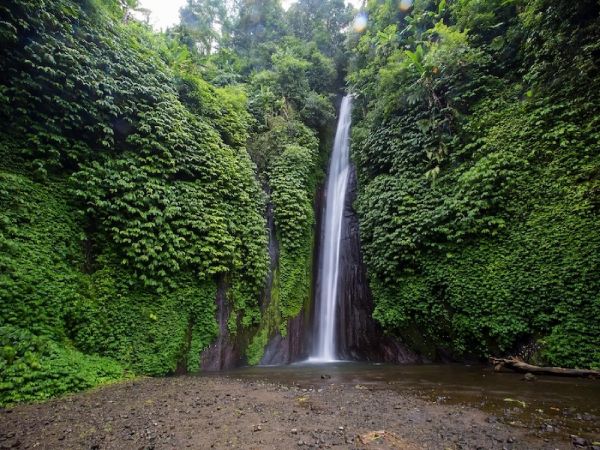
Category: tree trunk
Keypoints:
(520, 366)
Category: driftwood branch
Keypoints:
(520, 366)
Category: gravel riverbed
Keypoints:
(212, 412)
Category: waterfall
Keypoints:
(329, 260)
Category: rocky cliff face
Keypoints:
(292, 347)
(224, 353)
(288, 349)
(359, 336)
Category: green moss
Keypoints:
(148, 332)
(40, 255)
(290, 292)
(256, 349)
(271, 321)
(34, 368)
(295, 284)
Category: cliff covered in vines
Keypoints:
(477, 146)
(135, 173)
(144, 175)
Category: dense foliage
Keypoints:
(126, 190)
(140, 170)
(476, 142)
(135, 176)
(291, 63)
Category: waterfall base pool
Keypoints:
(548, 404)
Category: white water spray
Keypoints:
(335, 196)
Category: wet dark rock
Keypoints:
(224, 353)
(360, 337)
(529, 377)
(578, 441)
(292, 347)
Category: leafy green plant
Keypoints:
(477, 193)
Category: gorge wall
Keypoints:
(360, 337)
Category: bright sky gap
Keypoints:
(166, 13)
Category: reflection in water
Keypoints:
(568, 405)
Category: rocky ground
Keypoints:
(203, 412)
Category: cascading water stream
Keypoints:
(325, 343)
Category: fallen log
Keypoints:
(521, 366)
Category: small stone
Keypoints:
(578, 441)
(257, 428)
(300, 443)
(294, 430)
(529, 377)
(325, 376)
(341, 428)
